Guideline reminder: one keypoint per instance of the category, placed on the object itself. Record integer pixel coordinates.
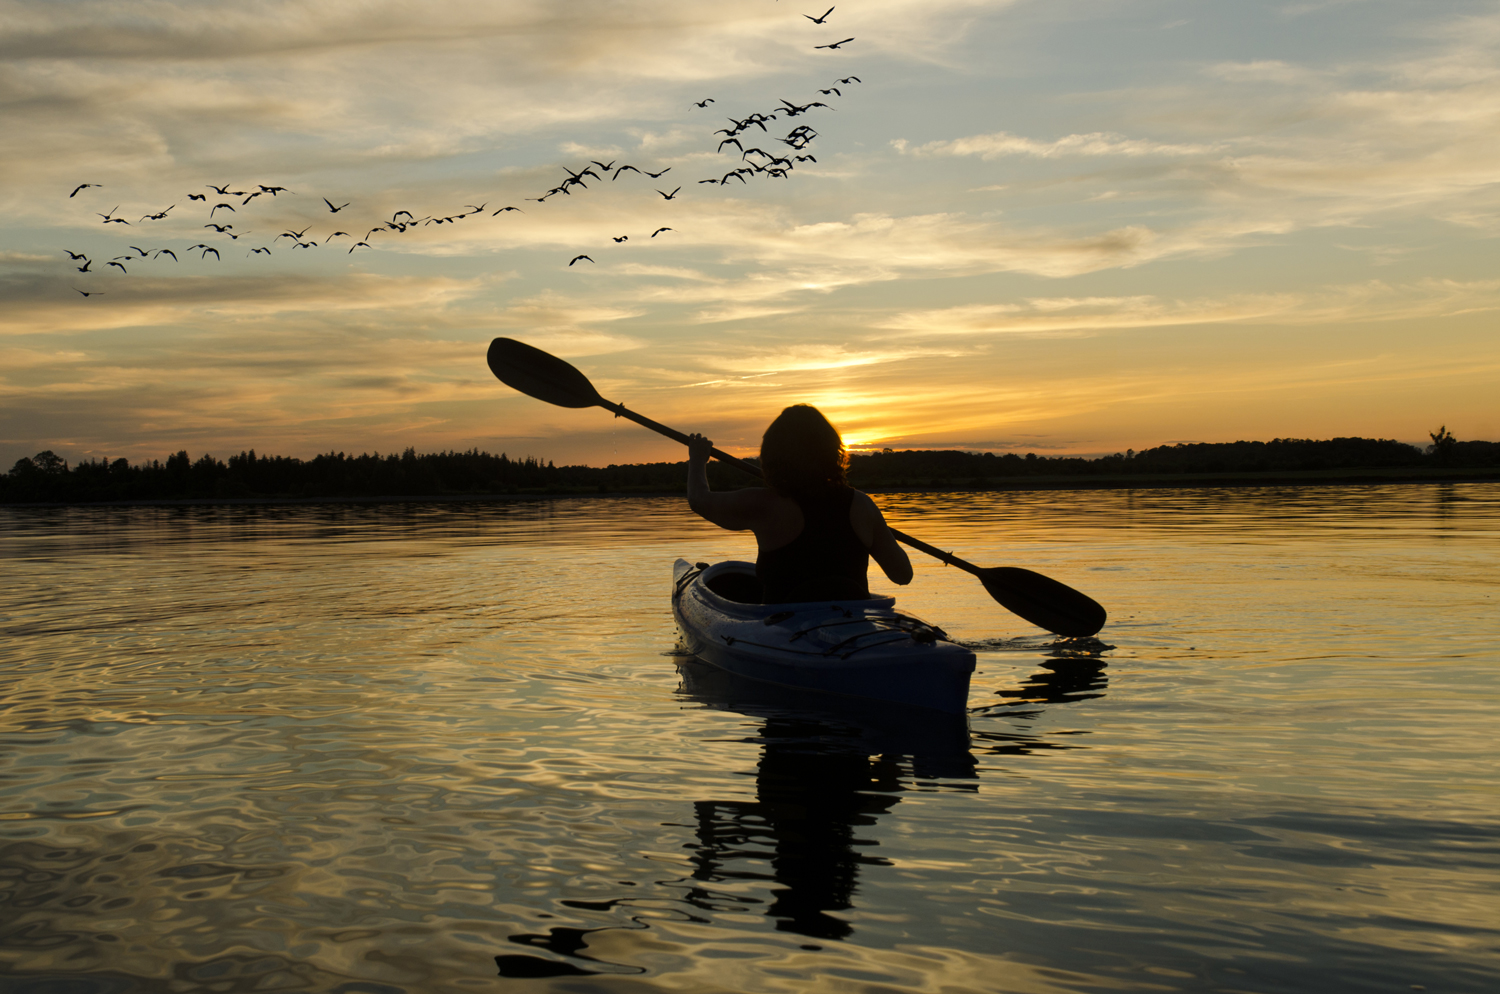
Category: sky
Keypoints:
(1060, 226)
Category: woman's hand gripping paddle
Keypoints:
(1039, 599)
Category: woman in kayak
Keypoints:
(816, 534)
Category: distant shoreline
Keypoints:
(1163, 481)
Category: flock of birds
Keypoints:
(753, 162)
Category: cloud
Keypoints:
(1099, 143)
(1052, 316)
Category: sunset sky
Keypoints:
(1064, 226)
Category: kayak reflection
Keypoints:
(828, 768)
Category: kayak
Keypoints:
(861, 648)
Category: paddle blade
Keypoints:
(540, 375)
(1043, 601)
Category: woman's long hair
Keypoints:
(802, 453)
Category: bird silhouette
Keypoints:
(220, 228)
(621, 170)
(142, 251)
(162, 252)
(337, 233)
(82, 186)
(273, 190)
(399, 213)
(660, 174)
(90, 293)
(198, 196)
(603, 166)
(850, 79)
(822, 19)
(222, 191)
(659, 231)
(207, 249)
(832, 89)
(295, 236)
(665, 196)
(75, 256)
(119, 267)
(261, 249)
(731, 141)
(704, 102)
(85, 267)
(332, 208)
(158, 215)
(577, 258)
(249, 198)
(476, 210)
(622, 238)
(504, 209)
(218, 206)
(357, 245)
(835, 46)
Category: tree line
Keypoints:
(48, 478)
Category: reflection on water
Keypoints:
(827, 768)
(406, 748)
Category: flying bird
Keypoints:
(337, 233)
(622, 238)
(82, 186)
(835, 45)
(75, 256)
(399, 213)
(261, 249)
(332, 208)
(222, 191)
(479, 209)
(731, 141)
(832, 89)
(118, 266)
(220, 228)
(357, 245)
(162, 252)
(158, 215)
(142, 251)
(295, 236)
(821, 20)
(217, 206)
(576, 258)
(86, 264)
(704, 102)
(198, 196)
(659, 231)
(660, 174)
(665, 196)
(850, 79)
(273, 190)
(90, 293)
(603, 166)
(504, 209)
(621, 170)
(209, 248)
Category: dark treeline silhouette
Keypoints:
(47, 478)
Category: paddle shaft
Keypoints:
(621, 411)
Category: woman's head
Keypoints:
(801, 452)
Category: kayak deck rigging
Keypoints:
(889, 655)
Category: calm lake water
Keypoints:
(372, 748)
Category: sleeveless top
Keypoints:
(827, 561)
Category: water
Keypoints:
(373, 748)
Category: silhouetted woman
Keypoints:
(816, 533)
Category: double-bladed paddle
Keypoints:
(1039, 599)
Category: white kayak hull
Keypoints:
(859, 648)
